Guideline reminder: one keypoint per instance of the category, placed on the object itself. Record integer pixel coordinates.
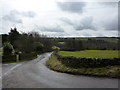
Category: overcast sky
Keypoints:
(60, 18)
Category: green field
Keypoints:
(91, 53)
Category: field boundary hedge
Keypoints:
(9, 58)
(87, 62)
(13, 58)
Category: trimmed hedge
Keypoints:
(9, 58)
(87, 62)
(13, 58)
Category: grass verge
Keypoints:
(108, 71)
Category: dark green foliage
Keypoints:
(73, 45)
(9, 58)
(13, 58)
(28, 42)
(7, 48)
(95, 43)
(25, 43)
(48, 44)
(26, 56)
(13, 36)
(39, 47)
(5, 38)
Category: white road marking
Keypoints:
(8, 72)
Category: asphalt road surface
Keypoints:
(34, 74)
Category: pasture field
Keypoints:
(91, 54)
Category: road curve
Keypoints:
(34, 74)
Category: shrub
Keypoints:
(23, 56)
(9, 58)
(27, 56)
(7, 49)
(39, 47)
(55, 48)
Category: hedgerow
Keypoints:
(76, 62)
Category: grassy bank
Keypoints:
(108, 71)
(91, 53)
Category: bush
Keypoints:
(23, 56)
(9, 58)
(39, 47)
(26, 56)
(7, 49)
(55, 48)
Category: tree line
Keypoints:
(77, 44)
(35, 42)
(15, 42)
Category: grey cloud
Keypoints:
(66, 20)
(100, 35)
(108, 4)
(111, 25)
(87, 34)
(50, 29)
(28, 14)
(85, 23)
(15, 16)
(14, 12)
(12, 17)
(74, 7)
